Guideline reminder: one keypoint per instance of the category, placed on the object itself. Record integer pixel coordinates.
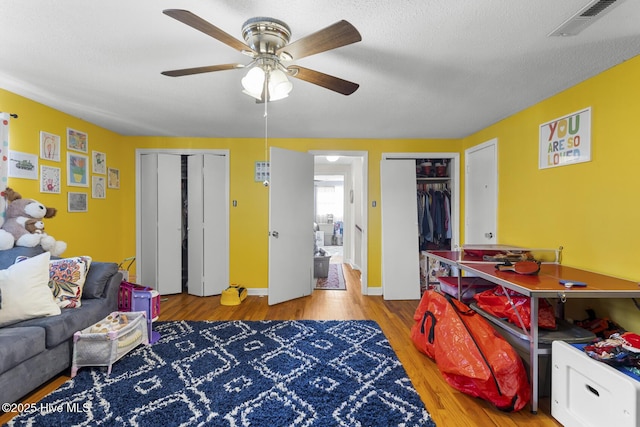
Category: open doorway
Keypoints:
(329, 215)
(341, 184)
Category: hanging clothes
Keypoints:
(447, 211)
(434, 216)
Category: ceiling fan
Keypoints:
(267, 42)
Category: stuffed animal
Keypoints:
(6, 239)
(19, 211)
(33, 225)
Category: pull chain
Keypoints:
(266, 128)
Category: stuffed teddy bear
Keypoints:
(34, 226)
(19, 211)
(6, 239)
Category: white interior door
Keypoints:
(161, 219)
(400, 251)
(290, 225)
(208, 237)
(481, 194)
(147, 268)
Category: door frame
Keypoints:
(176, 151)
(455, 185)
(468, 176)
(364, 156)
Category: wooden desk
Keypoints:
(543, 285)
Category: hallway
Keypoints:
(336, 253)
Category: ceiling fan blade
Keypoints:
(337, 35)
(199, 70)
(325, 80)
(209, 29)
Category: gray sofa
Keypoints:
(36, 350)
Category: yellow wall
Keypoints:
(100, 231)
(592, 208)
(248, 226)
(107, 231)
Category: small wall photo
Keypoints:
(49, 146)
(99, 162)
(98, 187)
(77, 202)
(77, 170)
(77, 140)
(23, 165)
(49, 179)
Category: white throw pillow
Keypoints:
(25, 291)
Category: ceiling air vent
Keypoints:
(584, 17)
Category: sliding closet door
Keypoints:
(208, 237)
(161, 223)
(399, 210)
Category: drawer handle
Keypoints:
(593, 390)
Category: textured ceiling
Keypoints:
(426, 69)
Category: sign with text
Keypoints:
(566, 140)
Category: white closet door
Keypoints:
(481, 195)
(400, 251)
(161, 219)
(208, 248)
(148, 258)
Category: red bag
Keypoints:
(431, 306)
(472, 357)
(494, 301)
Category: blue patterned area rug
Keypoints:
(270, 373)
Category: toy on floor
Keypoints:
(134, 297)
(113, 322)
(233, 295)
(106, 341)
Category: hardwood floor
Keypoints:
(447, 406)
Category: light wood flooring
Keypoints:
(447, 406)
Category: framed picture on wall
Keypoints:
(49, 179)
(565, 140)
(113, 178)
(98, 187)
(77, 170)
(78, 141)
(77, 202)
(23, 165)
(49, 146)
(99, 162)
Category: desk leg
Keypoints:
(533, 355)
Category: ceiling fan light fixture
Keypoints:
(253, 82)
(279, 85)
(267, 42)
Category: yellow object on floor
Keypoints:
(233, 295)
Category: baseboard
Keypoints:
(374, 291)
(261, 292)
